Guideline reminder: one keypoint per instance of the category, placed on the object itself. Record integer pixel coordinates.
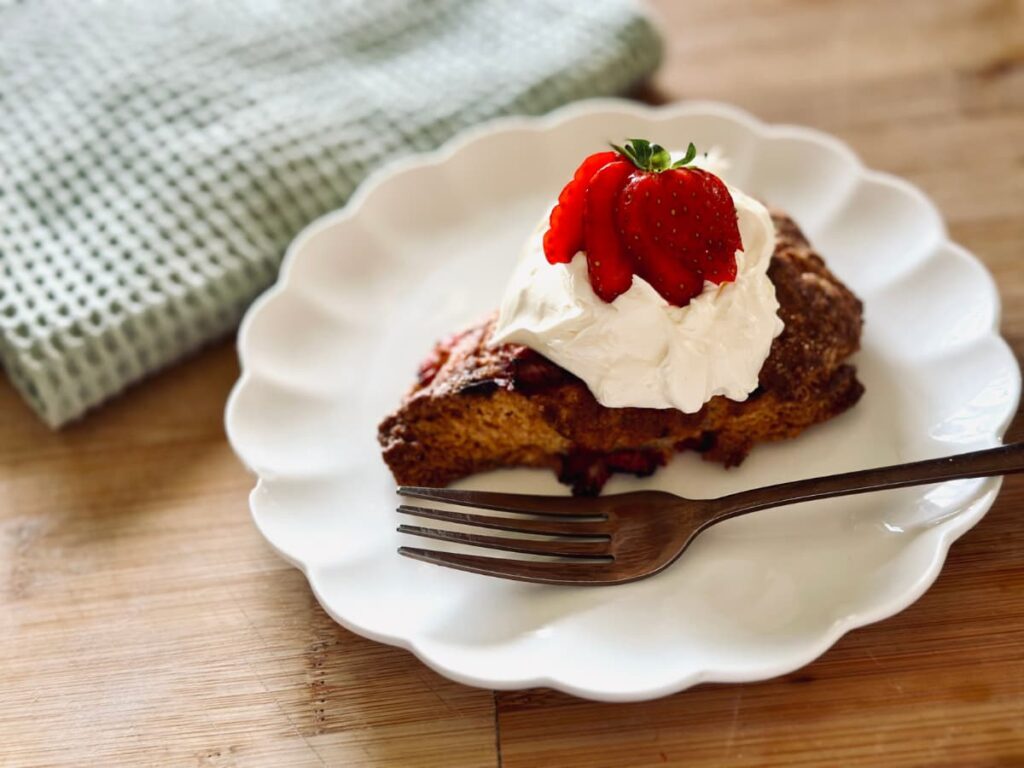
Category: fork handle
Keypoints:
(1004, 460)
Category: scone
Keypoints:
(481, 404)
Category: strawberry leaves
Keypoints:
(691, 152)
(653, 158)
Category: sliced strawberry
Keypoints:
(609, 266)
(698, 218)
(652, 258)
(564, 236)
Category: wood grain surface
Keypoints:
(143, 621)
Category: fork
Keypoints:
(626, 537)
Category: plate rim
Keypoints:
(969, 514)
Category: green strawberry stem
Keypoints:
(653, 157)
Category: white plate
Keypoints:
(425, 246)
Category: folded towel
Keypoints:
(156, 158)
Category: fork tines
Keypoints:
(574, 533)
(560, 506)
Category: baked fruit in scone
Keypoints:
(479, 404)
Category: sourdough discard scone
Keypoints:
(476, 408)
(658, 309)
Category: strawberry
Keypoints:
(565, 231)
(700, 224)
(608, 264)
(637, 212)
(652, 256)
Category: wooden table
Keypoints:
(144, 621)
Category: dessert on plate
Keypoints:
(656, 309)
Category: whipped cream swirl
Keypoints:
(639, 350)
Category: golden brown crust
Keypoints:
(476, 408)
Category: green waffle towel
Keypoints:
(156, 158)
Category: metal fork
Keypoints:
(620, 538)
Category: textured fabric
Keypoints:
(157, 157)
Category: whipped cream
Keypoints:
(639, 350)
